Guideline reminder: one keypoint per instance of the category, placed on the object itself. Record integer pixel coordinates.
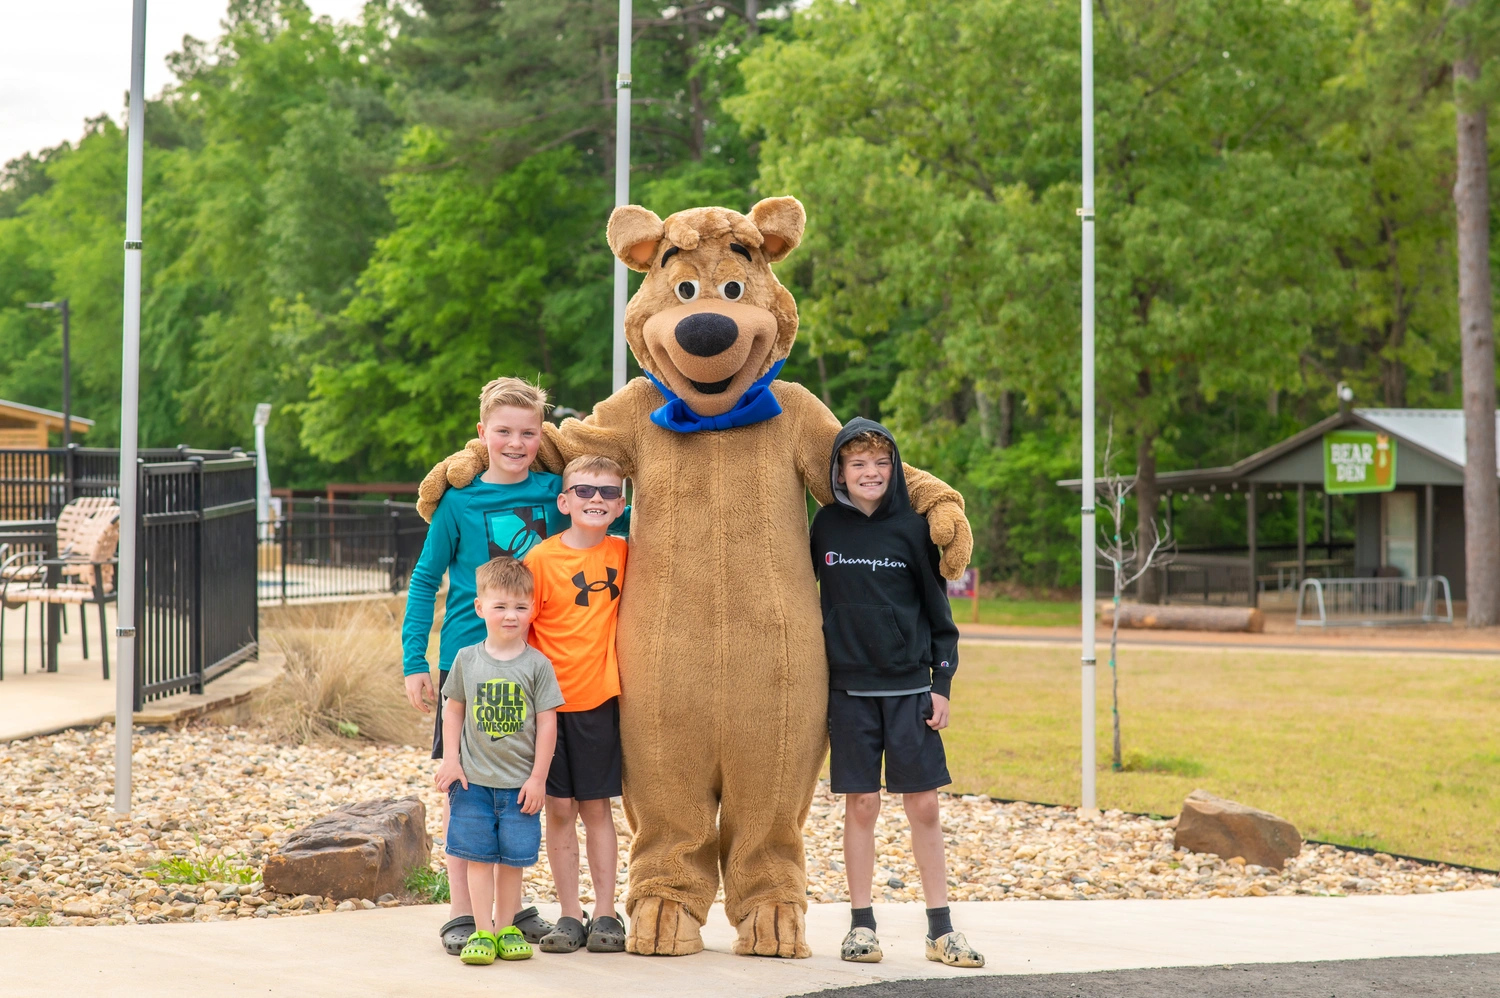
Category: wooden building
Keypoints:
(27, 426)
(1402, 468)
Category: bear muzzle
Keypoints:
(710, 351)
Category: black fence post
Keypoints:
(393, 544)
(284, 524)
(195, 618)
(142, 555)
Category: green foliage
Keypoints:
(428, 885)
(184, 870)
(363, 222)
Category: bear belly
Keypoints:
(723, 709)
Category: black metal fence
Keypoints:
(35, 484)
(1221, 576)
(196, 608)
(197, 615)
(319, 548)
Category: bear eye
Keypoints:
(732, 290)
(687, 290)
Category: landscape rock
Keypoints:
(1237, 832)
(360, 850)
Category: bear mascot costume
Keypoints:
(725, 685)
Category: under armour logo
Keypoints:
(585, 587)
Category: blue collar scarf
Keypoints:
(757, 405)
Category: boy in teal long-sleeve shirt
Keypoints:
(502, 513)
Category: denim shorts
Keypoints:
(486, 825)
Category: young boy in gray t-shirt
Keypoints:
(499, 733)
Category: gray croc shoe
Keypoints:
(954, 950)
(566, 936)
(455, 933)
(606, 935)
(532, 925)
(861, 945)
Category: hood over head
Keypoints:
(895, 499)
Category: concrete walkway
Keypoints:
(395, 951)
(77, 695)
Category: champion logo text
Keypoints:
(834, 558)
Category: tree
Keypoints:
(1471, 195)
(1121, 553)
(938, 142)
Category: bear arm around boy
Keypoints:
(607, 431)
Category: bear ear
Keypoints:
(633, 234)
(780, 221)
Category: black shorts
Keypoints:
(862, 729)
(586, 763)
(437, 722)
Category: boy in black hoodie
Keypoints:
(892, 651)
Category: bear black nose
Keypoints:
(705, 334)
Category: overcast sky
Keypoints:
(62, 61)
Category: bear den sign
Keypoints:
(1358, 461)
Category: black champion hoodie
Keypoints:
(887, 624)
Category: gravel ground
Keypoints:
(229, 794)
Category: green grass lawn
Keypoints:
(1400, 753)
(1018, 612)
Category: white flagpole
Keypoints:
(1090, 800)
(622, 184)
(130, 375)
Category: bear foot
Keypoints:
(773, 929)
(659, 927)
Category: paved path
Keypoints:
(1367, 641)
(395, 951)
(1446, 976)
(77, 695)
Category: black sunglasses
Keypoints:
(587, 491)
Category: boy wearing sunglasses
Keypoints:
(579, 574)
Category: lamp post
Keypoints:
(1086, 213)
(67, 366)
(622, 184)
(130, 379)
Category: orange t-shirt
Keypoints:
(577, 604)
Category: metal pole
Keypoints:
(130, 374)
(622, 184)
(1090, 800)
(67, 381)
(262, 475)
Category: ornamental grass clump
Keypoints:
(342, 679)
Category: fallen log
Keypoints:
(1187, 618)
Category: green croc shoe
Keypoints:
(480, 949)
(512, 944)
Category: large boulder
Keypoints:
(359, 850)
(1228, 829)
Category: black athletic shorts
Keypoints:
(586, 764)
(862, 729)
(437, 722)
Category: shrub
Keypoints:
(342, 678)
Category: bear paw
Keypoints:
(660, 927)
(949, 529)
(773, 929)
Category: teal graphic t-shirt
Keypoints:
(501, 702)
(471, 526)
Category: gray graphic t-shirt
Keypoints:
(501, 701)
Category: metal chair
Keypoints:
(32, 577)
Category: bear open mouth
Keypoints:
(711, 387)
